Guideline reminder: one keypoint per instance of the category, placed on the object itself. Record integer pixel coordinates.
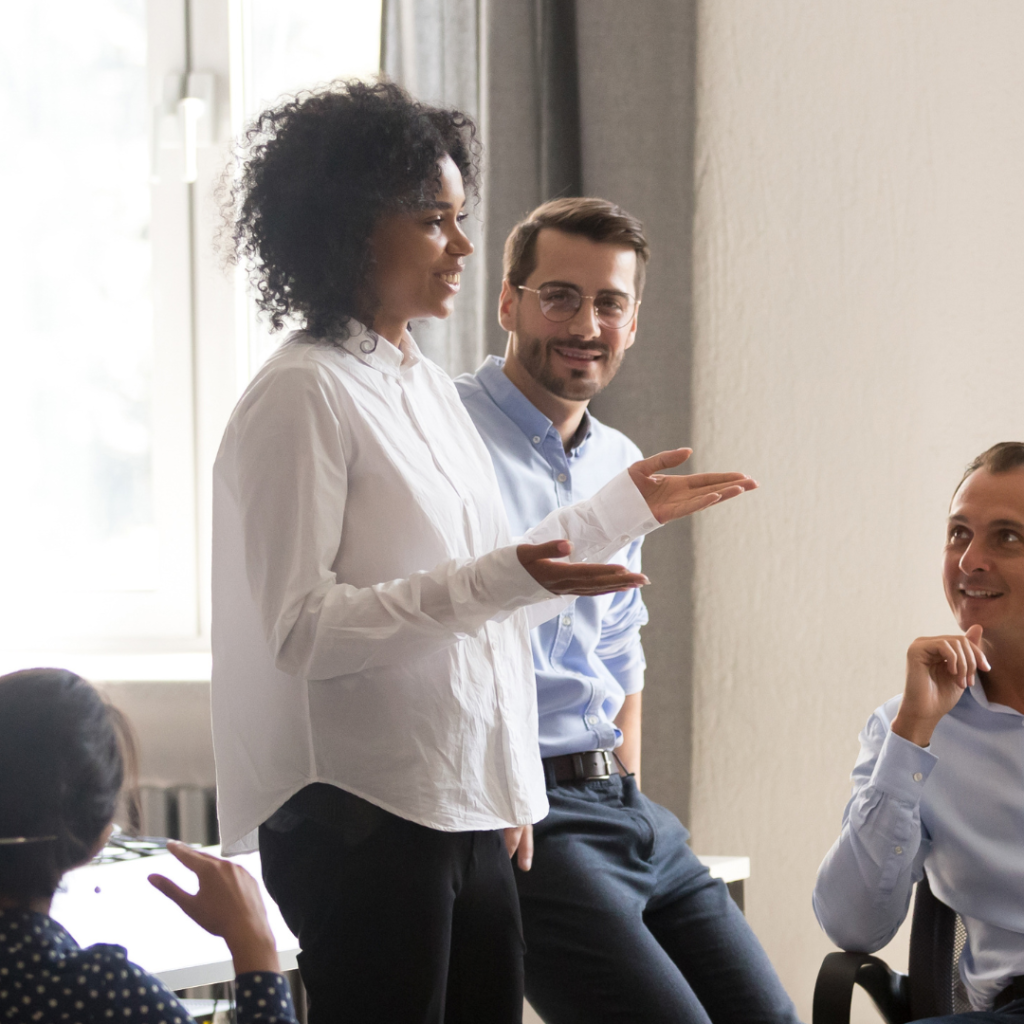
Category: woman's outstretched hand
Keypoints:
(672, 497)
(581, 578)
(228, 904)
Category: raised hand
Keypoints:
(228, 904)
(672, 497)
(939, 669)
(581, 578)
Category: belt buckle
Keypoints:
(580, 770)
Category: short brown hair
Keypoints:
(596, 219)
(1000, 458)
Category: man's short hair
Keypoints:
(596, 219)
(1000, 458)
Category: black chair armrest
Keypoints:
(833, 991)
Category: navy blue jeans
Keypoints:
(623, 923)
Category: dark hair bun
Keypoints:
(61, 771)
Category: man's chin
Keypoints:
(573, 389)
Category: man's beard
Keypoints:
(535, 353)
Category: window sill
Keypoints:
(169, 667)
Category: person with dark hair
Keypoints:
(373, 703)
(61, 771)
(937, 786)
(621, 920)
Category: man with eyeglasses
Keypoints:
(621, 920)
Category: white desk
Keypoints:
(115, 903)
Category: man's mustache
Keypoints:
(582, 346)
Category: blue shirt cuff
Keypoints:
(631, 679)
(902, 768)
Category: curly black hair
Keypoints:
(314, 175)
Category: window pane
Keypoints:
(306, 42)
(297, 46)
(76, 381)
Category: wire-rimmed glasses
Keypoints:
(561, 302)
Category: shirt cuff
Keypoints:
(263, 996)
(632, 679)
(902, 768)
(622, 510)
(501, 583)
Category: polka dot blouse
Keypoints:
(45, 976)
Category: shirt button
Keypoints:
(918, 776)
(562, 478)
(592, 719)
(897, 849)
(536, 438)
(566, 621)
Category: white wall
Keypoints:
(859, 336)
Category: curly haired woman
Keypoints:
(373, 695)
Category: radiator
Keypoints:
(188, 813)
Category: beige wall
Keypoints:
(858, 337)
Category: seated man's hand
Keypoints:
(580, 578)
(939, 669)
(672, 497)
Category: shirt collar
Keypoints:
(977, 691)
(369, 347)
(518, 408)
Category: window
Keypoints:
(129, 342)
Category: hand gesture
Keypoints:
(520, 840)
(672, 497)
(581, 578)
(939, 669)
(228, 904)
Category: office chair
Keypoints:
(932, 987)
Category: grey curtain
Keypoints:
(512, 66)
(433, 49)
(592, 97)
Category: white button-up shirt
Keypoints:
(369, 627)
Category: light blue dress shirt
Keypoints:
(589, 657)
(955, 809)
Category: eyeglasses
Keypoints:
(561, 302)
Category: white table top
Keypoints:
(115, 903)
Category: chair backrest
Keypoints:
(937, 938)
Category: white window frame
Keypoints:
(205, 347)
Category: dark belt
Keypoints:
(1012, 992)
(581, 767)
(1015, 990)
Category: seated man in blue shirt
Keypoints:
(621, 920)
(938, 787)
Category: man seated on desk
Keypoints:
(621, 920)
(939, 784)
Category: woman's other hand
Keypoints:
(672, 496)
(580, 578)
(519, 840)
(228, 904)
